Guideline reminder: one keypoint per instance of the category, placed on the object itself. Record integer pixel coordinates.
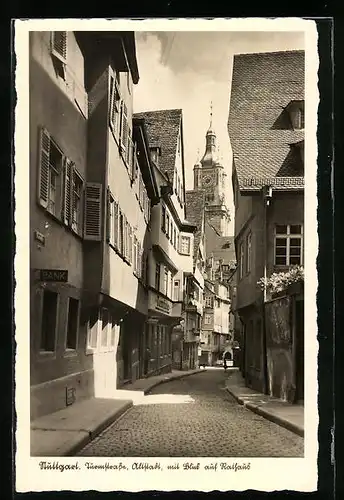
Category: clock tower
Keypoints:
(210, 177)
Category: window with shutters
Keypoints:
(127, 237)
(93, 201)
(139, 260)
(130, 245)
(135, 164)
(73, 197)
(51, 161)
(121, 233)
(114, 107)
(129, 151)
(77, 193)
(111, 220)
(185, 245)
(124, 127)
(59, 51)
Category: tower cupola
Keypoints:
(209, 157)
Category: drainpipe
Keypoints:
(267, 196)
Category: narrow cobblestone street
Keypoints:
(194, 416)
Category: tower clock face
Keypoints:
(207, 180)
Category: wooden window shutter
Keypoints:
(116, 224)
(43, 176)
(111, 103)
(93, 200)
(67, 200)
(124, 126)
(130, 244)
(59, 45)
(108, 216)
(134, 162)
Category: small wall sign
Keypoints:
(70, 395)
(163, 305)
(60, 275)
(39, 237)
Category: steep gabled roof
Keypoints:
(263, 85)
(163, 128)
(195, 205)
(222, 247)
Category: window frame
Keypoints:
(59, 58)
(45, 352)
(72, 350)
(288, 236)
(183, 238)
(115, 107)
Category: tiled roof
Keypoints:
(222, 247)
(262, 86)
(195, 205)
(163, 129)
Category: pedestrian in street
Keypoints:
(225, 363)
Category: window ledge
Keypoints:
(46, 355)
(70, 353)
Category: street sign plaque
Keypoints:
(59, 275)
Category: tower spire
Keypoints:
(211, 114)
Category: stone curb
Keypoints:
(119, 413)
(98, 428)
(169, 379)
(276, 419)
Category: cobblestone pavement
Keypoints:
(193, 417)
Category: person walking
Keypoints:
(225, 363)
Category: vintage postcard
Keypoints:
(165, 303)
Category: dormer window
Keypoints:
(296, 110)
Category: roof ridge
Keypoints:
(158, 111)
(267, 53)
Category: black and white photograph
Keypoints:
(168, 191)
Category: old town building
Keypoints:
(92, 186)
(194, 286)
(210, 178)
(266, 128)
(171, 258)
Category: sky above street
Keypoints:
(188, 70)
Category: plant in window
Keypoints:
(279, 282)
